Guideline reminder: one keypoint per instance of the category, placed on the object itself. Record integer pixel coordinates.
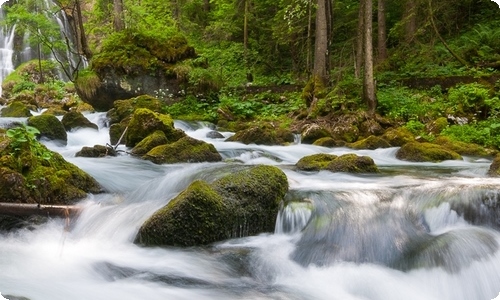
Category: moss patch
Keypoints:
(187, 149)
(315, 162)
(426, 152)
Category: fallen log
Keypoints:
(23, 209)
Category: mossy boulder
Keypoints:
(96, 151)
(263, 135)
(28, 177)
(426, 152)
(370, 127)
(153, 140)
(346, 132)
(315, 162)
(116, 131)
(124, 108)
(76, 120)
(435, 127)
(348, 163)
(243, 203)
(187, 149)
(399, 136)
(461, 148)
(145, 121)
(371, 142)
(16, 109)
(312, 132)
(495, 167)
(50, 127)
(328, 142)
(352, 163)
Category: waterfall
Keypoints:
(6, 50)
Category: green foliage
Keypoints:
(24, 138)
(471, 99)
(486, 133)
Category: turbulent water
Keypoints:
(414, 231)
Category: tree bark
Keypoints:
(382, 32)
(368, 79)
(118, 16)
(21, 209)
(83, 46)
(410, 20)
(359, 41)
(321, 66)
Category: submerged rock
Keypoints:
(96, 151)
(426, 152)
(75, 120)
(240, 204)
(187, 149)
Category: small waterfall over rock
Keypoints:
(6, 50)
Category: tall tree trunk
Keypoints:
(368, 79)
(82, 43)
(321, 66)
(118, 17)
(359, 41)
(309, 31)
(245, 32)
(382, 32)
(410, 20)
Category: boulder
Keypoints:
(399, 136)
(494, 170)
(461, 148)
(213, 134)
(16, 109)
(348, 163)
(124, 108)
(75, 120)
(426, 152)
(263, 135)
(96, 151)
(50, 127)
(145, 121)
(372, 142)
(312, 132)
(187, 149)
(156, 138)
(435, 127)
(30, 173)
(328, 142)
(241, 204)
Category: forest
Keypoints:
(289, 62)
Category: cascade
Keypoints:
(6, 50)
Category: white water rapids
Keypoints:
(416, 231)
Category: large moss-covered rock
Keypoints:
(495, 167)
(96, 151)
(75, 120)
(243, 203)
(315, 162)
(461, 148)
(329, 142)
(312, 132)
(16, 109)
(145, 121)
(27, 176)
(348, 163)
(124, 108)
(426, 152)
(399, 136)
(153, 140)
(187, 149)
(263, 135)
(50, 127)
(372, 142)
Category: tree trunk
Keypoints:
(321, 52)
(83, 46)
(21, 209)
(206, 5)
(118, 17)
(359, 41)
(245, 32)
(382, 32)
(410, 20)
(368, 79)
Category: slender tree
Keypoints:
(322, 41)
(382, 32)
(369, 95)
(359, 41)
(118, 15)
(410, 20)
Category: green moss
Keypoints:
(153, 140)
(328, 142)
(124, 108)
(461, 148)
(352, 163)
(87, 83)
(312, 132)
(144, 122)
(371, 142)
(187, 149)
(435, 127)
(49, 127)
(398, 136)
(264, 134)
(422, 152)
(197, 216)
(16, 109)
(315, 162)
(74, 120)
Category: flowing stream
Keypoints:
(414, 231)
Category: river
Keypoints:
(414, 231)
